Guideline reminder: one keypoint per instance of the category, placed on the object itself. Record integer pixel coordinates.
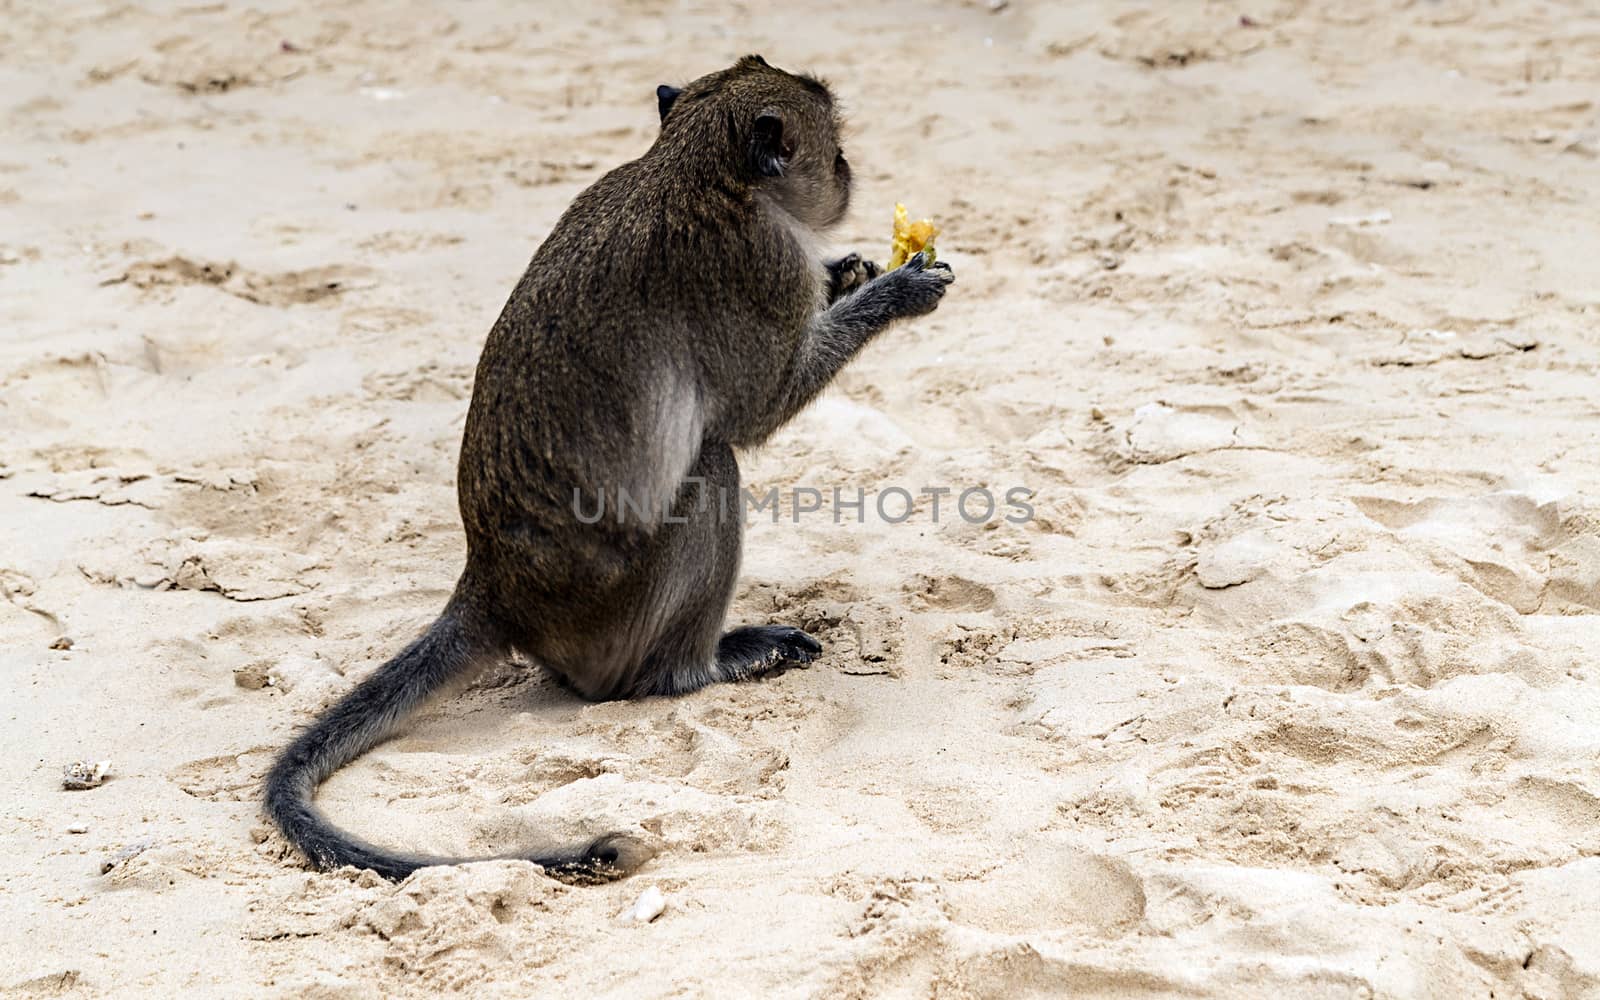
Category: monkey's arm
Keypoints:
(835, 334)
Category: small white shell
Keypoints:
(650, 905)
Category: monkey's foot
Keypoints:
(849, 273)
(752, 651)
(764, 649)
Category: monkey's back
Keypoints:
(651, 298)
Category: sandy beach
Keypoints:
(1285, 316)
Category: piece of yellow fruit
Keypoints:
(910, 238)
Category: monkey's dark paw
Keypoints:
(792, 645)
(761, 649)
(917, 286)
(849, 273)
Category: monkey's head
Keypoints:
(777, 131)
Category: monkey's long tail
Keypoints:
(369, 714)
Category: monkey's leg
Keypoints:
(693, 651)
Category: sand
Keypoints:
(1285, 313)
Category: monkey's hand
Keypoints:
(849, 273)
(914, 288)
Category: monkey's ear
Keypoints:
(767, 151)
(666, 97)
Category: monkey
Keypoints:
(679, 309)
